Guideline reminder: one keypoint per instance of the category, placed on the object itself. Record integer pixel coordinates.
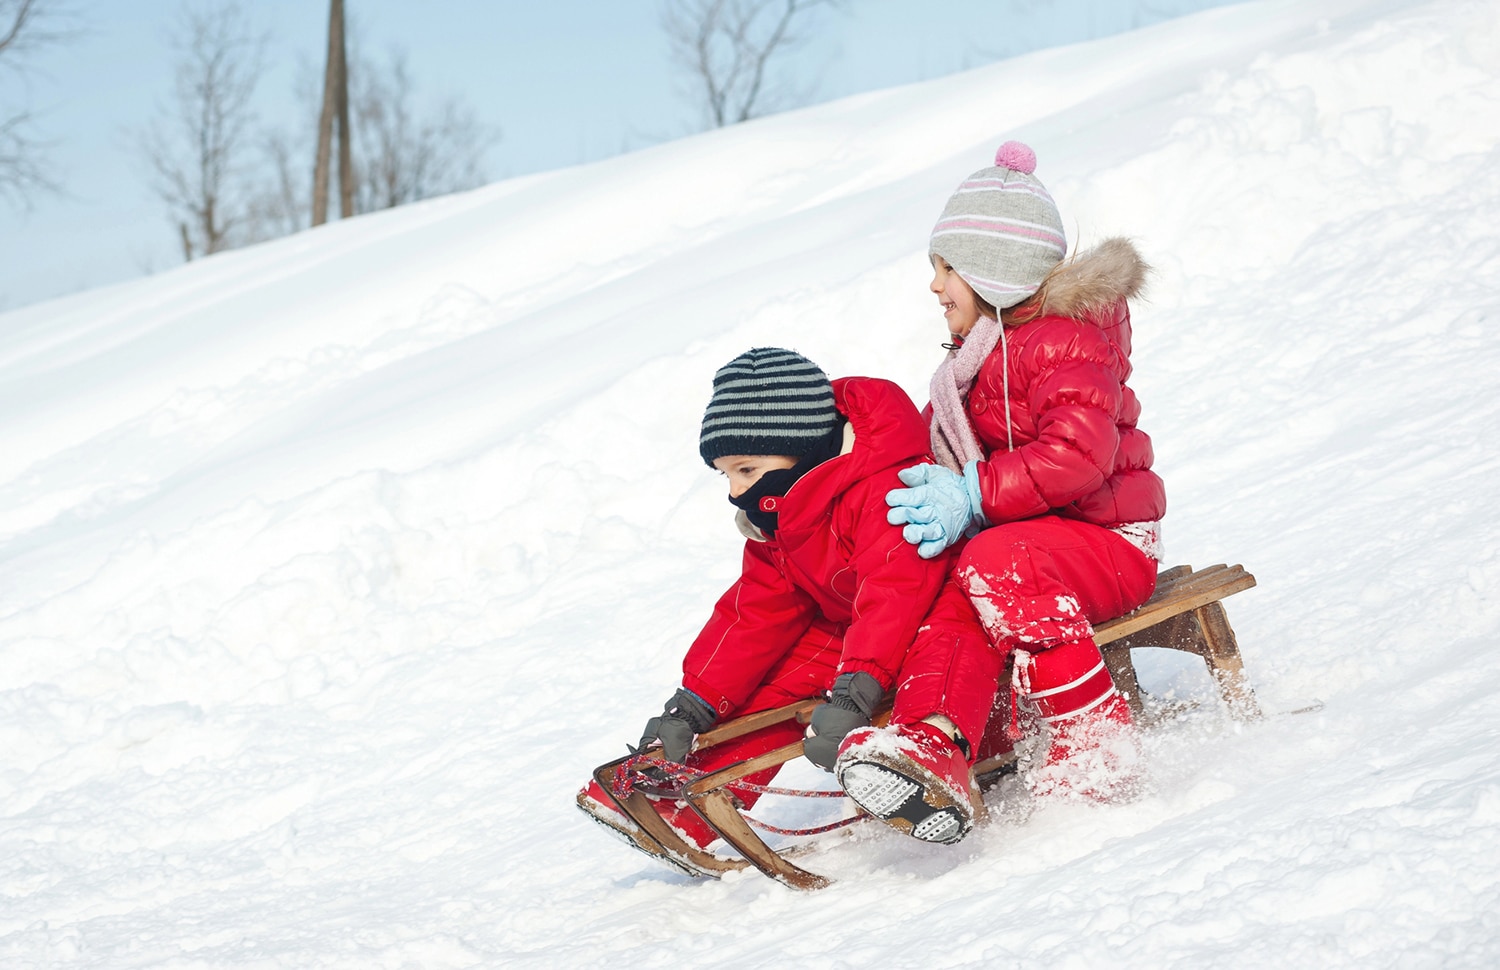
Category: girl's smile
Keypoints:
(959, 303)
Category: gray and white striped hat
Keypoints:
(1000, 230)
(767, 401)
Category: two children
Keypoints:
(1039, 517)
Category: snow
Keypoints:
(329, 568)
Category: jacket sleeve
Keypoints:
(895, 587)
(1076, 399)
(753, 624)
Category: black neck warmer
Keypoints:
(761, 501)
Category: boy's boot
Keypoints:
(912, 777)
(1093, 748)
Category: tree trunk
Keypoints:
(331, 82)
(346, 162)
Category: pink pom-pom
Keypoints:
(1016, 157)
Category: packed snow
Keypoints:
(330, 567)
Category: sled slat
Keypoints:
(1184, 614)
(1177, 596)
(743, 769)
(640, 811)
(718, 808)
(754, 722)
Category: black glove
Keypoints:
(683, 717)
(853, 702)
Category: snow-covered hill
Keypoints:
(329, 567)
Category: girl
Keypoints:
(830, 595)
(1041, 462)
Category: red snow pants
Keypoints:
(1032, 584)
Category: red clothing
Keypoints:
(837, 589)
(1072, 464)
(1034, 584)
(1075, 448)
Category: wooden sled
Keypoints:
(1183, 614)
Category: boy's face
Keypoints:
(959, 306)
(744, 471)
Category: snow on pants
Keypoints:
(806, 670)
(1031, 584)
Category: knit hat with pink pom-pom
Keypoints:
(1001, 231)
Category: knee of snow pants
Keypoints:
(1040, 582)
(952, 669)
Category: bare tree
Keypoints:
(23, 164)
(726, 46)
(198, 145)
(402, 151)
(282, 202)
(403, 154)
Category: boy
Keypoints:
(830, 596)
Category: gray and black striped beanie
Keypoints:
(1000, 230)
(767, 401)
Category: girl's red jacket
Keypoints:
(1073, 447)
(834, 557)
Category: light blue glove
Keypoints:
(939, 506)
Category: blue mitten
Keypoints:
(938, 508)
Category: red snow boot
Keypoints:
(911, 777)
(1093, 748)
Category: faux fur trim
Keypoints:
(1094, 279)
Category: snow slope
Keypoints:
(329, 567)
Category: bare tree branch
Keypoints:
(726, 47)
(402, 151)
(19, 13)
(196, 146)
(23, 163)
(402, 155)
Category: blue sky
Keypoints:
(565, 81)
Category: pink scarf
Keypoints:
(953, 440)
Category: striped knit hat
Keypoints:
(1001, 231)
(767, 401)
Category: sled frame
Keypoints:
(1183, 614)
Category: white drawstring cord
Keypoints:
(1010, 442)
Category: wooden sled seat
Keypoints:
(1183, 614)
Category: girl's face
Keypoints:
(744, 471)
(960, 306)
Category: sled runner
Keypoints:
(1185, 613)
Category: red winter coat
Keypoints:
(834, 559)
(1076, 449)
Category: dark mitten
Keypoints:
(851, 705)
(685, 716)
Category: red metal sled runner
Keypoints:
(1184, 614)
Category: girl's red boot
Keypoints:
(1093, 747)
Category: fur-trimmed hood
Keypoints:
(1091, 281)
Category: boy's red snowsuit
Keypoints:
(836, 590)
(1074, 468)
